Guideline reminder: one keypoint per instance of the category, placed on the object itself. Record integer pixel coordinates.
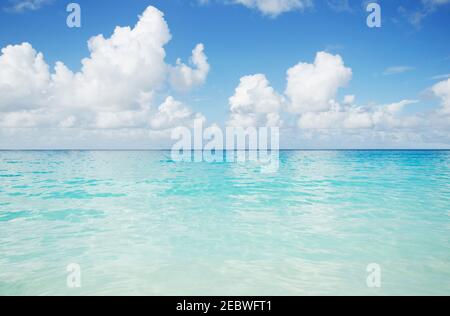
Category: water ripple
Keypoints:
(139, 223)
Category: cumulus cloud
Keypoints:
(255, 103)
(183, 77)
(134, 56)
(173, 113)
(115, 88)
(275, 7)
(24, 78)
(313, 118)
(310, 87)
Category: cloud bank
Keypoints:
(121, 98)
(310, 114)
(116, 87)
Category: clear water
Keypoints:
(137, 223)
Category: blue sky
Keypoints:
(399, 61)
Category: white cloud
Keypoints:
(435, 2)
(255, 103)
(428, 7)
(119, 96)
(395, 70)
(336, 119)
(183, 77)
(357, 117)
(397, 107)
(339, 5)
(312, 118)
(275, 7)
(24, 78)
(24, 5)
(134, 56)
(115, 87)
(172, 113)
(349, 99)
(442, 91)
(310, 87)
(440, 77)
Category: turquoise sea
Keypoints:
(138, 223)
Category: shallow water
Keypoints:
(138, 223)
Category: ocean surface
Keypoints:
(139, 223)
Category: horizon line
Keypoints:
(203, 150)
